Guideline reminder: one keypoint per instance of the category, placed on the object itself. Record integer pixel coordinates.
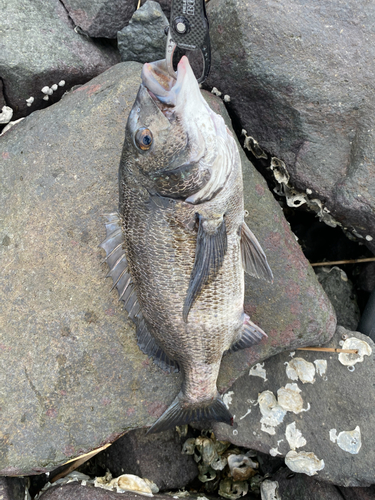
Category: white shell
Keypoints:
(272, 413)
(269, 490)
(349, 441)
(6, 114)
(294, 436)
(304, 461)
(363, 348)
(299, 368)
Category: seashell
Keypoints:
(221, 446)
(219, 463)
(233, 489)
(188, 447)
(207, 450)
(206, 473)
(241, 467)
(129, 482)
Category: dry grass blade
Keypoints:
(76, 462)
(328, 349)
(337, 262)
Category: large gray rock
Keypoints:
(100, 18)
(314, 416)
(157, 457)
(144, 39)
(302, 86)
(72, 375)
(39, 48)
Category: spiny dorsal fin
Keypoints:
(254, 260)
(209, 256)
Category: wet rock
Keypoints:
(100, 18)
(301, 86)
(144, 39)
(322, 426)
(12, 488)
(156, 457)
(33, 57)
(299, 486)
(78, 378)
(340, 292)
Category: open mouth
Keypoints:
(162, 87)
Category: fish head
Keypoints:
(175, 145)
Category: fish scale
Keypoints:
(180, 267)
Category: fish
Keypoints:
(178, 247)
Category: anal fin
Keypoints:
(209, 256)
(148, 345)
(254, 260)
(251, 335)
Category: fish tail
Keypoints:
(181, 412)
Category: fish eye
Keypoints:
(143, 138)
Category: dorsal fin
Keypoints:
(118, 271)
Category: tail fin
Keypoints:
(180, 413)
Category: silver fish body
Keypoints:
(178, 260)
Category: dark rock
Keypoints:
(78, 379)
(358, 493)
(301, 85)
(156, 457)
(366, 280)
(88, 492)
(367, 323)
(12, 488)
(39, 48)
(2, 99)
(340, 292)
(300, 487)
(144, 39)
(337, 401)
(100, 18)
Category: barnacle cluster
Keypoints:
(223, 468)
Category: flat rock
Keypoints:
(39, 48)
(72, 375)
(329, 416)
(156, 457)
(144, 38)
(301, 85)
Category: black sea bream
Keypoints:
(179, 246)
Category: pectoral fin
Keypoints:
(209, 256)
(254, 260)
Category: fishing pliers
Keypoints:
(188, 30)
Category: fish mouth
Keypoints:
(162, 87)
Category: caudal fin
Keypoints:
(180, 413)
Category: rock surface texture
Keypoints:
(307, 407)
(157, 457)
(89, 492)
(144, 39)
(100, 18)
(78, 379)
(33, 57)
(340, 292)
(300, 76)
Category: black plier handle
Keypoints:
(188, 30)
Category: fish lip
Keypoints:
(162, 87)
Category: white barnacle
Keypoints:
(54, 87)
(272, 413)
(321, 366)
(227, 398)
(61, 83)
(6, 114)
(46, 90)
